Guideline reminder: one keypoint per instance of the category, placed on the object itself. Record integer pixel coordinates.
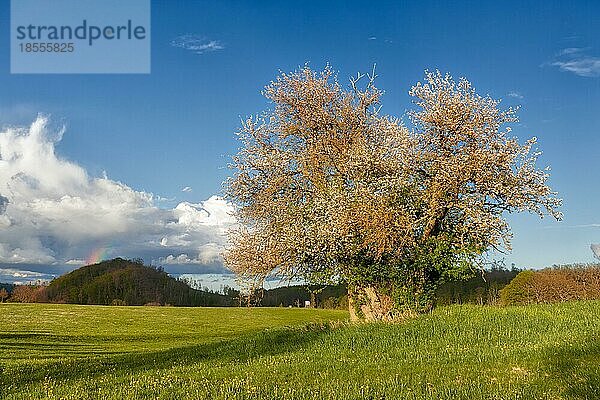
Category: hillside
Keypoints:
(126, 282)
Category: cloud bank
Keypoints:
(52, 212)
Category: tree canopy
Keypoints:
(330, 189)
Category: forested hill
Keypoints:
(127, 282)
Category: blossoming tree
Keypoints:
(329, 189)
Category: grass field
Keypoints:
(457, 352)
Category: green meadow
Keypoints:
(456, 352)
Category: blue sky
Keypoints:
(174, 128)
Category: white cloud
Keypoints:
(53, 212)
(515, 95)
(23, 276)
(180, 259)
(215, 212)
(196, 44)
(209, 253)
(165, 199)
(18, 273)
(79, 261)
(570, 50)
(585, 66)
(187, 189)
(585, 226)
(574, 60)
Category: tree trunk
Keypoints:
(371, 303)
(390, 302)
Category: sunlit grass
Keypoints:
(457, 352)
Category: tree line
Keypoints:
(479, 289)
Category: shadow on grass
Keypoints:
(50, 346)
(577, 368)
(240, 349)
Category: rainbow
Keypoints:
(97, 255)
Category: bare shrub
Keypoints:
(553, 285)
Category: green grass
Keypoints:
(457, 352)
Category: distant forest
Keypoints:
(130, 282)
(483, 288)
